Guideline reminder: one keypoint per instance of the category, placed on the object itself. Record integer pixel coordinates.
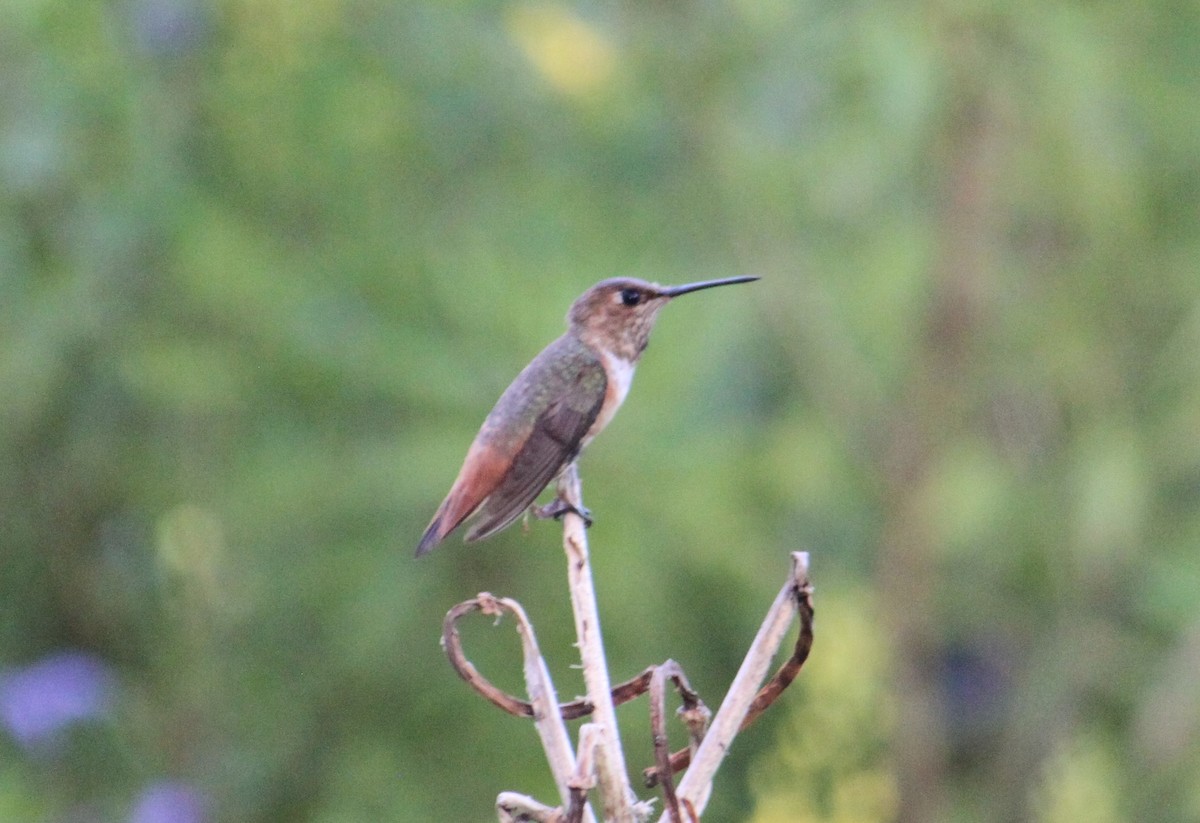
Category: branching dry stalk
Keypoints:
(695, 715)
(696, 786)
(612, 776)
(543, 706)
(783, 678)
(600, 763)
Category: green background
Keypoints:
(265, 265)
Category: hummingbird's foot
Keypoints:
(557, 507)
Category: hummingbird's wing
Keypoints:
(554, 442)
(535, 429)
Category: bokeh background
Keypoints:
(265, 265)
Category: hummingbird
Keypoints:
(554, 407)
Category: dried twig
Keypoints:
(612, 775)
(601, 760)
(451, 642)
(771, 690)
(696, 785)
(544, 706)
(519, 808)
(696, 716)
(584, 779)
(658, 733)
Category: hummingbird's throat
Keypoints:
(619, 374)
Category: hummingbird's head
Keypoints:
(617, 315)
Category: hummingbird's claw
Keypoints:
(557, 507)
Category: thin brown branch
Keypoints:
(658, 732)
(658, 729)
(621, 693)
(452, 643)
(783, 678)
(693, 712)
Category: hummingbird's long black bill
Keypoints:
(675, 291)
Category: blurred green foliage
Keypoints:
(807, 780)
(265, 265)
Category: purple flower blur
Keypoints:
(169, 802)
(38, 701)
(168, 27)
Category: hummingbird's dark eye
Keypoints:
(631, 297)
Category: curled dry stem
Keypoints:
(452, 643)
(598, 757)
(543, 705)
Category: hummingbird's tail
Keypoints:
(481, 473)
(433, 535)
(456, 508)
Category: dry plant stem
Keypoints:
(452, 643)
(696, 786)
(544, 705)
(695, 716)
(584, 779)
(612, 775)
(768, 693)
(658, 733)
(550, 725)
(512, 807)
(696, 719)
